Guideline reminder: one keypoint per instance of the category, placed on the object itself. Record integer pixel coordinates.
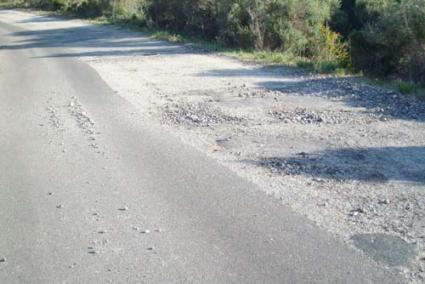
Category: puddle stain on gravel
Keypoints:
(390, 250)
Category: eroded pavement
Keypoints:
(349, 156)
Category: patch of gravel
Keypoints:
(195, 114)
(54, 117)
(81, 116)
(305, 116)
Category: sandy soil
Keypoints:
(349, 156)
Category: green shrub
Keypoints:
(406, 87)
(164, 35)
(326, 66)
(331, 49)
(389, 37)
(88, 8)
(277, 25)
(305, 64)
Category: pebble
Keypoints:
(2, 259)
(356, 212)
(125, 208)
(91, 250)
(384, 201)
(145, 231)
(59, 206)
(361, 210)
(102, 232)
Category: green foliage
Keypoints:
(190, 16)
(326, 66)
(387, 37)
(50, 5)
(406, 87)
(331, 48)
(305, 64)
(264, 56)
(87, 8)
(278, 25)
(164, 35)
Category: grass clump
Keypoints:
(168, 36)
(269, 57)
(406, 88)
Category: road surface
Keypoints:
(93, 192)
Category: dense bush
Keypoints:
(50, 5)
(191, 16)
(387, 36)
(87, 8)
(282, 25)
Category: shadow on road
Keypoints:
(41, 19)
(93, 41)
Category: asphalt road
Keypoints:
(93, 192)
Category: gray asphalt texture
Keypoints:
(92, 192)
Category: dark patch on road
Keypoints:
(387, 249)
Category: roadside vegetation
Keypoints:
(380, 38)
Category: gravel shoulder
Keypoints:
(349, 156)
